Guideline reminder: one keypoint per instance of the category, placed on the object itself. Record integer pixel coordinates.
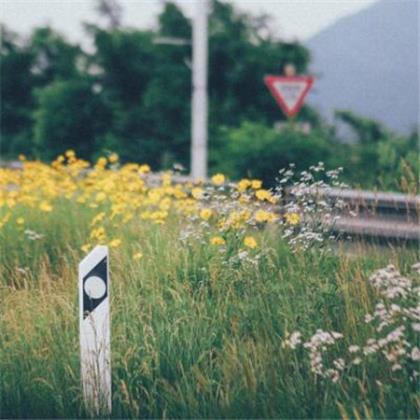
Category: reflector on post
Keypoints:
(95, 335)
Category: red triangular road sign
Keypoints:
(289, 91)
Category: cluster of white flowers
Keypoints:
(395, 322)
(396, 318)
(317, 346)
(292, 340)
(306, 195)
(32, 235)
(188, 233)
(390, 284)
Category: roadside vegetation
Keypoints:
(222, 306)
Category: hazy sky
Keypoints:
(290, 18)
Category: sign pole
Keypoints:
(95, 335)
(292, 121)
(199, 94)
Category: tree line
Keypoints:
(131, 94)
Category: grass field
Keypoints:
(216, 312)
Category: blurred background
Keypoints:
(115, 75)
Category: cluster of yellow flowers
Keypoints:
(123, 193)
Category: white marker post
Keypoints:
(95, 343)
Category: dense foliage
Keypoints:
(388, 162)
(131, 94)
(143, 84)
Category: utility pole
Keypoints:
(199, 91)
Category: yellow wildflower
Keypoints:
(70, 153)
(113, 157)
(137, 256)
(243, 185)
(101, 163)
(144, 169)
(263, 195)
(98, 218)
(154, 196)
(205, 214)
(117, 209)
(292, 218)
(115, 243)
(166, 179)
(20, 220)
(218, 179)
(85, 248)
(217, 240)
(101, 196)
(165, 204)
(250, 242)
(127, 217)
(197, 193)
(98, 233)
(262, 216)
(237, 218)
(256, 184)
(45, 206)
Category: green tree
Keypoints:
(168, 95)
(111, 10)
(241, 52)
(69, 116)
(126, 61)
(255, 150)
(366, 130)
(147, 83)
(16, 83)
(26, 67)
(377, 157)
(54, 58)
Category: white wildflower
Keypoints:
(293, 340)
(396, 367)
(416, 267)
(339, 363)
(415, 354)
(416, 326)
(357, 361)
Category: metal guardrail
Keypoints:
(367, 214)
(381, 201)
(374, 214)
(379, 214)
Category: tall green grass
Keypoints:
(193, 335)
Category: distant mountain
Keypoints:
(369, 63)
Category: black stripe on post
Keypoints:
(89, 303)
